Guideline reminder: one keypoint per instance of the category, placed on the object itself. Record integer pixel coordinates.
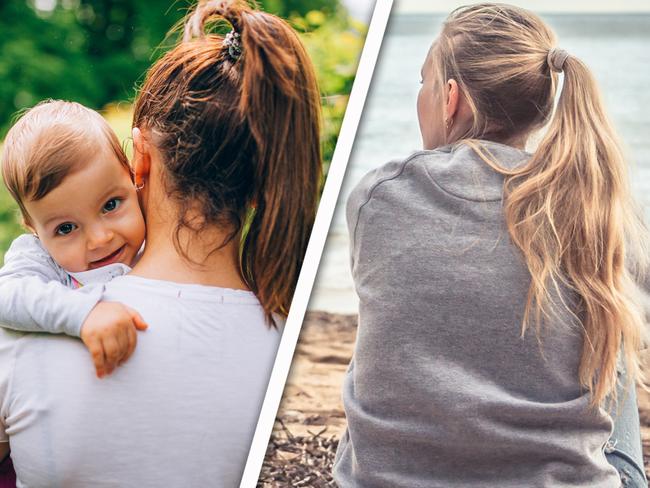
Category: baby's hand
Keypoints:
(109, 334)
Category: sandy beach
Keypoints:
(311, 419)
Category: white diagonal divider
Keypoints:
(316, 242)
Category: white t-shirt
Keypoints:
(181, 412)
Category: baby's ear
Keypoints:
(27, 224)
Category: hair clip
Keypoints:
(234, 44)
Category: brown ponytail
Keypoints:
(569, 209)
(239, 130)
(279, 82)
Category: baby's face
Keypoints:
(92, 218)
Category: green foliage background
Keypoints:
(96, 52)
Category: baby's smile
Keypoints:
(114, 257)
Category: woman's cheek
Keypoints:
(421, 108)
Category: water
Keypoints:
(614, 46)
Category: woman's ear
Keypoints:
(452, 99)
(141, 158)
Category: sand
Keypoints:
(311, 419)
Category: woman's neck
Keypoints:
(517, 141)
(201, 264)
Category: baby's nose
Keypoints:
(98, 236)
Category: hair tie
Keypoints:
(232, 41)
(556, 58)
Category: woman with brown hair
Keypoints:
(227, 165)
(497, 290)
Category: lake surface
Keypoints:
(615, 46)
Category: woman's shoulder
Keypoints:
(389, 172)
(136, 288)
(397, 174)
(457, 172)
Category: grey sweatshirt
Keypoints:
(443, 391)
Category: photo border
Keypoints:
(365, 70)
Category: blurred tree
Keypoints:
(39, 65)
(108, 44)
(288, 8)
(93, 51)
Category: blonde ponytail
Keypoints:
(570, 212)
(569, 208)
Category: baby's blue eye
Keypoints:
(111, 205)
(65, 229)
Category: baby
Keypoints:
(65, 168)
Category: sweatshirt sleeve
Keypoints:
(34, 292)
(361, 196)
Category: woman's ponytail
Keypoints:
(280, 100)
(237, 118)
(570, 212)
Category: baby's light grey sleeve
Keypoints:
(35, 293)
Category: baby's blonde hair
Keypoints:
(50, 141)
(569, 209)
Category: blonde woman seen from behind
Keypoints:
(497, 291)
